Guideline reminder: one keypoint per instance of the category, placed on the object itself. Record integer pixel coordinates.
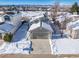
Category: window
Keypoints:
(7, 18)
(0, 36)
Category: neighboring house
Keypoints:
(66, 18)
(72, 29)
(63, 18)
(29, 15)
(39, 27)
(13, 18)
(10, 25)
(6, 28)
(40, 30)
(38, 18)
(75, 32)
(74, 17)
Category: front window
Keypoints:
(7, 18)
(0, 36)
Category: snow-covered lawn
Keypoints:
(65, 46)
(23, 47)
(19, 44)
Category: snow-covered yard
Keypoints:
(65, 46)
(19, 44)
(23, 47)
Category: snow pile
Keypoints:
(65, 46)
(16, 47)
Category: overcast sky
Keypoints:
(36, 2)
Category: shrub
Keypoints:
(8, 37)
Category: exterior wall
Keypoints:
(75, 34)
(3, 34)
(40, 36)
(75, 13)
(68, 31)
(63, 25)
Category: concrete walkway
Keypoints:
(41, 46)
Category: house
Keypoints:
(75, 33)
(38, 18)
(11, 23)
(72, 29)
(6, 28)
(74, 17)
(40, 30)
(32, 14)
(13, 18)
(63, 19)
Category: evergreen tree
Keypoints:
(8, 37)
(75, 7)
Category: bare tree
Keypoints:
(54, 10)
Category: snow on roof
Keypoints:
(73, 24)
(66, 46)
(34, 26)
(36, 17)
(6, 27)
(1, 31)
(76, 28)
(60, 18)
(47, 26)
(1, 19)
(37, 25)
(32, 14)
(74, 15)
